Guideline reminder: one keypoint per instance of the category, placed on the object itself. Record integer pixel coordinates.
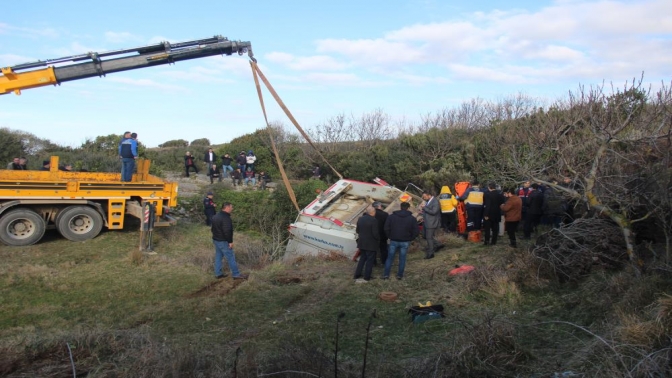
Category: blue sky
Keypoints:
(406, 58)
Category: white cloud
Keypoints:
(7, 60)
(315, 62)
(22, 32)
(120, 37)
(147, 83)
(569, 39)
(341, 79)
(374, 51)
(488, 74)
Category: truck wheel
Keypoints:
(21, 227)
(79, 223)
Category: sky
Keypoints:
(407, 58)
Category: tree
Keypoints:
(611, 145)
(175, 143)
(11, 146)
(202, 142)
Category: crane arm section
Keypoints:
(42, 73)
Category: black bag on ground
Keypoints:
(421, 314)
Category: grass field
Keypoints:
(117, 312)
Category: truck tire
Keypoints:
(21, 227)
(79, 223)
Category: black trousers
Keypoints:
(511, 228)
(474, 218)
(186, 168)
(366, 259)
(448, 221)
(208, 217)
(383, 250)
(491, 227)
(531, 222)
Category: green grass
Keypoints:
(165, 315)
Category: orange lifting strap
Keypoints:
(258, 74)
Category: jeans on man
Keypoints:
(403, 248)
(222, 250)
(226, 169)
(127, 168)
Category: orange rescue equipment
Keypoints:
(460, 188)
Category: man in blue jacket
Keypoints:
(128, 152)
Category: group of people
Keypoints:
(21, 164)
(374, 228)
(244, 173)
(485, 209)
(527, 204)
(18, 164)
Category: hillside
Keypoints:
(118, 312)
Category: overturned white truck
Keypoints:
(327, 225)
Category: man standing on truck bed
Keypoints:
(128, 152)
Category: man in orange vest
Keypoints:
(473, 200)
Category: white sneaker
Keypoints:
(361, 280)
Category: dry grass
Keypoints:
(166, 316)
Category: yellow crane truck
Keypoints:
(80, 204)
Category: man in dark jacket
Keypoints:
(210, 158)
(241, 160)
(368, 240)
(222, 238)
(209, 208)
(381, 217)
(237, 177)
(492, 214)
(226, 165)
(553, 205)
(534, 212)
(401, 227)
(189, 163)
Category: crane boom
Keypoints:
(42, 73)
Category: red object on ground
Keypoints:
(464, 269)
